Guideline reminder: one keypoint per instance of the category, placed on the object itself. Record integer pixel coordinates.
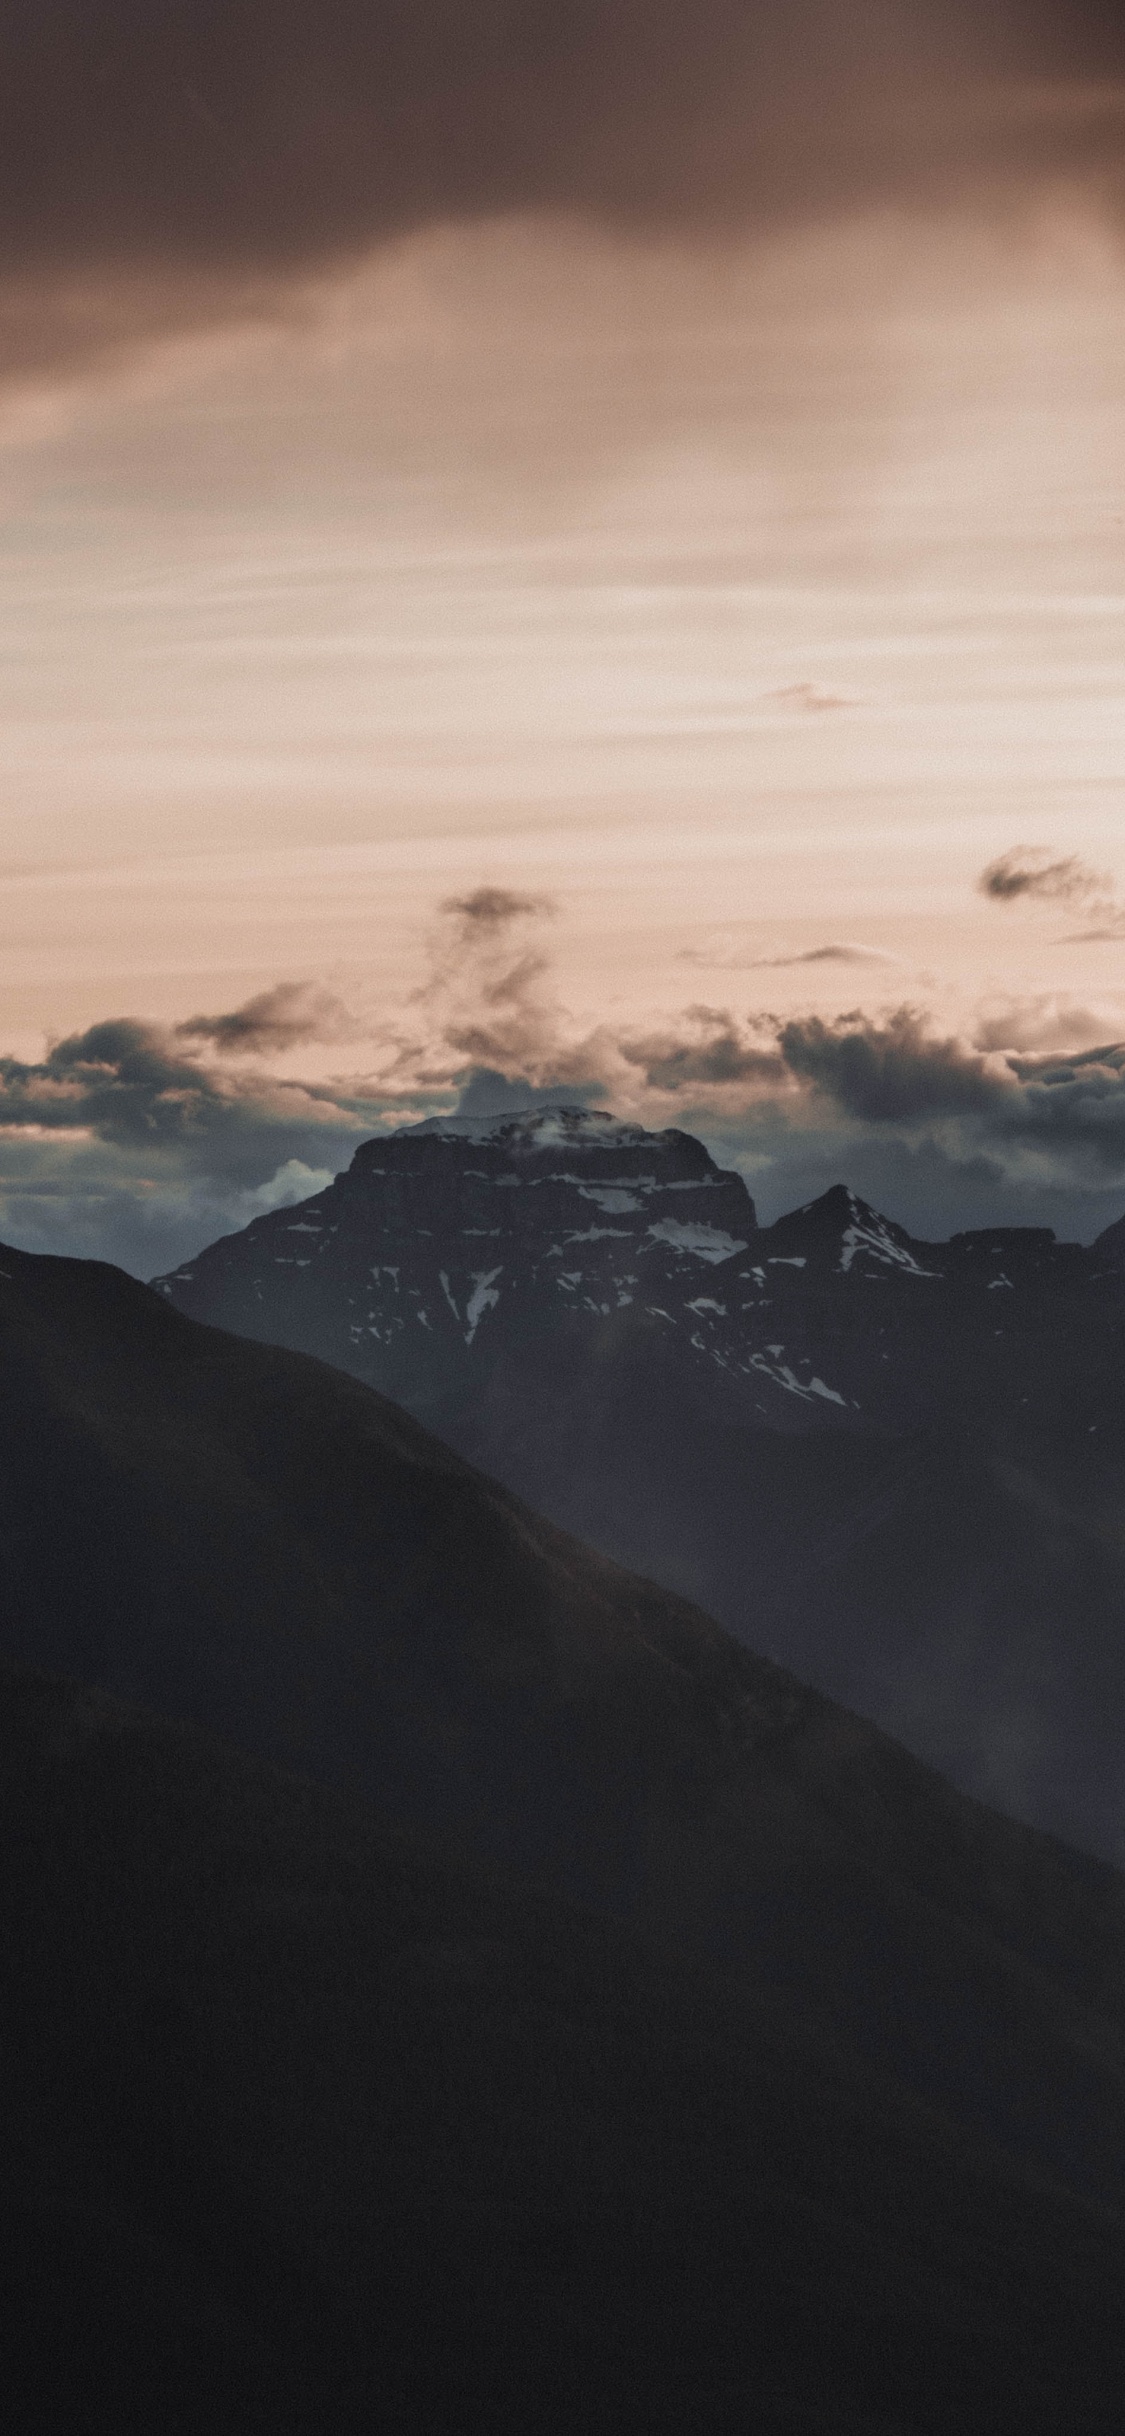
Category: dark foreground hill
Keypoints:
(897, 1466)
(247, 1539)
(308, 2127)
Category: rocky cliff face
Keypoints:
(440, 1241)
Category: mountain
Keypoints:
(310, 2124)
(248, 1540)
(441, 1240)
(897, 1466)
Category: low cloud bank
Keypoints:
(140, 1142)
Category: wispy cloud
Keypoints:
(833, 954)
(486, 1000)
(1037, 874)
(807, 697)
(1034, 871)
(727, 954)
(278, 1019)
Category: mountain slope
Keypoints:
(251, 1540)
(310, 2125)
(898, 1466)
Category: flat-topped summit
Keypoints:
(553, 1138)
(440, 1233)
(580, 1127)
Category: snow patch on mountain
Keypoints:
(484, 1297)
(879, 1245)
(599, 1234)
(695, 1239)
(783, 1376)
(610, 1198)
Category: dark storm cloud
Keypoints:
(120, 1144)
(1076, 1106)
(920, 1128)
(138, 1142)
(242, 139)
(893, 1071)
(132, 1083)
(121, 1079)
(988, 1136)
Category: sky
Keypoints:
(571, 549)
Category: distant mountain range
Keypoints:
(898, 1466)
(600, 2029)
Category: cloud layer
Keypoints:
(142, 1142)
(211, 146)
(138, 1141)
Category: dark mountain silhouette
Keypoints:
(898, 1466)
(310, 2125)
(250, 1540)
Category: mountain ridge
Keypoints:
(675, 1264)
(896, 1466)
(247, 1539)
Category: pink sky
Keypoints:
(745, 592)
